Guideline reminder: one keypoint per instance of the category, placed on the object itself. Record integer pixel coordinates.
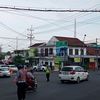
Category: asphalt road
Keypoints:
(54, 90)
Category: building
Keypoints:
(61, 51)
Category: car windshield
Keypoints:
(67, 69)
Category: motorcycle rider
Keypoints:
(30, 79)
(20, 80)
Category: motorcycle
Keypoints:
(31, 84)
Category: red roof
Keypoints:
(71, 41)
(36, 44)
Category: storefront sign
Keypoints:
(77, 60)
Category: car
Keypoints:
(73, 73)
(43, 68)
(13, 69)
(5, 72)
(35, 67)
(39, 68)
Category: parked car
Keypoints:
(35, 67)
(73, 73)
(13, 69)
(39, 68)
(43, 67)
(4, 72)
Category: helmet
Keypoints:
(20, 66)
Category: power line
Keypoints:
(50, 10)
(7, 27)
(12, 38)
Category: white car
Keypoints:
(35, 67)
(73, 73)
(13, 69)
(4, 72)
(43, 67)
(39, 68)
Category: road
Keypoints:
(54, 90)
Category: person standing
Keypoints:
(47, 71)
(21, 83)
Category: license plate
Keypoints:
(65, 73)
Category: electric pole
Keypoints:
(75, 28)
(30, 36)
(16, 43)
(96, 52)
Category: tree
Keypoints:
(18, 60)
(2, 56)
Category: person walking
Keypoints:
(47, 71)
(21, 82)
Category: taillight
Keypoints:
(72, 72)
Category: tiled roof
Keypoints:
(36, 44)
(71, 41)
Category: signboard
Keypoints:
(77, 60)
(61, 44)
(92, 60)
(61, 48)
(57, 59)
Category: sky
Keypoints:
(15, 25)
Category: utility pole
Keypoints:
(96, 52)
(0, 48)
(75, 28)
(30, 36)
(16, 43)
(83, 51)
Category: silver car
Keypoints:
(4, 72)
(73, 73)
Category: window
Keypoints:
(67, 69)
(76, 51)
(70, 51)
(82, 52)
(46, 52)
(79, 69)
(51, 51)
(42, 52)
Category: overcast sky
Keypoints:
(15, 24)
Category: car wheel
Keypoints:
(78, 80)
(35, 69)
(87, 78)
(62, 81)
(43, 69)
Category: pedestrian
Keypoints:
(47, 71)
(20, 80)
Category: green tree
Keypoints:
(2, 56)
(35, 52)
(18, 60)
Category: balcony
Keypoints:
(45, 55)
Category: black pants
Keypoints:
(21, 90)
(48, 76)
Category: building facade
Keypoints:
(61, 51)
